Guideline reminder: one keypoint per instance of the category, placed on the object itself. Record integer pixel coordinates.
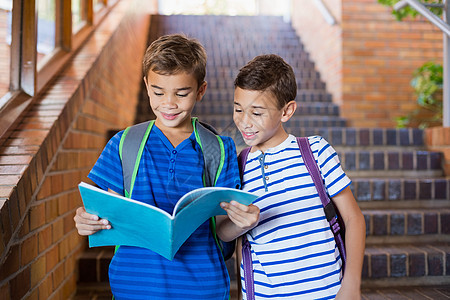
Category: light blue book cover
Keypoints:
(142, 225)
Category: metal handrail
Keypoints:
(444, 26)
(329, 18)
(420, 7)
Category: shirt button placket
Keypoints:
(264, 177)
(173, 157)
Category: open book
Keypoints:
(142, 225)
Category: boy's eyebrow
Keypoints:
(179, 89)
(184, 88)
(253, 106)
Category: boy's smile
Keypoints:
(258, 118)
(172, 98)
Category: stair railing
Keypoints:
(329, 18)
(443, 25)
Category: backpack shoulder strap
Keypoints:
(331, 213)
(313, 170)
(213, 152)
(242, 159)
(130, 150)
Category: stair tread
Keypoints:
(443, 247)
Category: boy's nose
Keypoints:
(169, 101)
(247, 120)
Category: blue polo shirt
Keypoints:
(165, 174)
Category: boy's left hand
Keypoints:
(245, 217)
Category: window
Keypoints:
(36, 39)
(5, 45)
(99, 4)
(79, 14)
(45, 28)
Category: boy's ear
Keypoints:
(288, 110)
(146, 84)
(201, 90)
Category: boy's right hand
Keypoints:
(88, 224)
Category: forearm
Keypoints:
(239, 219)
(355, 236)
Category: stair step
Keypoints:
(237, 62)
(406, 292)
(414, 261)
(225, 125)
(384, 226)
(392, 163)
(226, 96)
(223, 80)
(401, 191)
(93, 265)
(214, 107)
(224, 76)
(366, 137)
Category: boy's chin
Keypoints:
(250, 142)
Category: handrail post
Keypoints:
(446, 67)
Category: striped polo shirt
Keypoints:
(165, 174)
(293, 249)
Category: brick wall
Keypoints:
(322, 41)
(368, 58)
(53, 149)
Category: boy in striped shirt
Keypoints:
(293, 250)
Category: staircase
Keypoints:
(399, 185)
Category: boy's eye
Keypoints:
(238, 110)
(157, 94)
(182, 95)
(257, 113)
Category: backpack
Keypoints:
(331, 212)
(132, 145)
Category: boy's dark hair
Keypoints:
(269, 73)
(175, 53)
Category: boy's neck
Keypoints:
(278, 138)
(177, 134)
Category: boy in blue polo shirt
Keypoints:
(171, 165)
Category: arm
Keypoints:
(87, 223)
(355, 235)
(240, 219)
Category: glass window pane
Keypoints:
(5, 44)
(45, 28)
(78, 14)
(98, 4)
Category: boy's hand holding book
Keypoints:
(88, 224)
(245, 217)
